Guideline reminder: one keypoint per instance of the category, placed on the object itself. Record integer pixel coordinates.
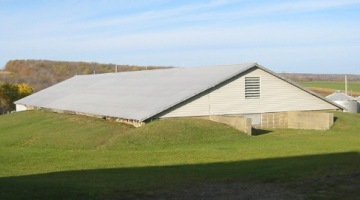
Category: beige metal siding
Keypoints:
(276, 95)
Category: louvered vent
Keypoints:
(252, 87)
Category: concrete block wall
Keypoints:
(293, 120)
(274, 120)
(297, 120)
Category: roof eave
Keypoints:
(254, 65)
(251, 65)
(300, 87)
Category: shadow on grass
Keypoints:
(146, 182)
(257, 132)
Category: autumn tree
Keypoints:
(41, 74)
(9, 93)
(24, 90)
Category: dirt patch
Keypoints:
(325, 91)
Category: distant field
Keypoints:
(328, 87)
(57, 156)
(5, 73)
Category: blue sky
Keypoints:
(321, 36)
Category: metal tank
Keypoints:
(350, 105)
(353, 106)
(344, 100)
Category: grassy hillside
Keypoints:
(56, 156)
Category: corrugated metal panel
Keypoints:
(132, 95)
(276, 95)
(144, 94)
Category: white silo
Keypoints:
(358, 103)
(344, 100)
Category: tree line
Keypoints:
(40, 74)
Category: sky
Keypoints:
(307, 36)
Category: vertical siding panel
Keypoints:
(276, 96)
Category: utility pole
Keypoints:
(346, 85)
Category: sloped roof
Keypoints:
(131, 95)
(339, 96)
(135, 95)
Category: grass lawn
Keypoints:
(46, 155)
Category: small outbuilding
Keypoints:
(348, 102)
(248, 90)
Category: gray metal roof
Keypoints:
(339, 96)
(135, 95)
(132, 95)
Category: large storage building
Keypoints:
(245, 89)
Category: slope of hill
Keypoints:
(40, 74)
(46, 155)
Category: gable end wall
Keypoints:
(276, 95)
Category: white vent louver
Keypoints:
(252, 87)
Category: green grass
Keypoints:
(46, 155)
(336, 85)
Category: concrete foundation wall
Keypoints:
(240, 123)
(310, 120)
(297, 120)
(293, 120)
